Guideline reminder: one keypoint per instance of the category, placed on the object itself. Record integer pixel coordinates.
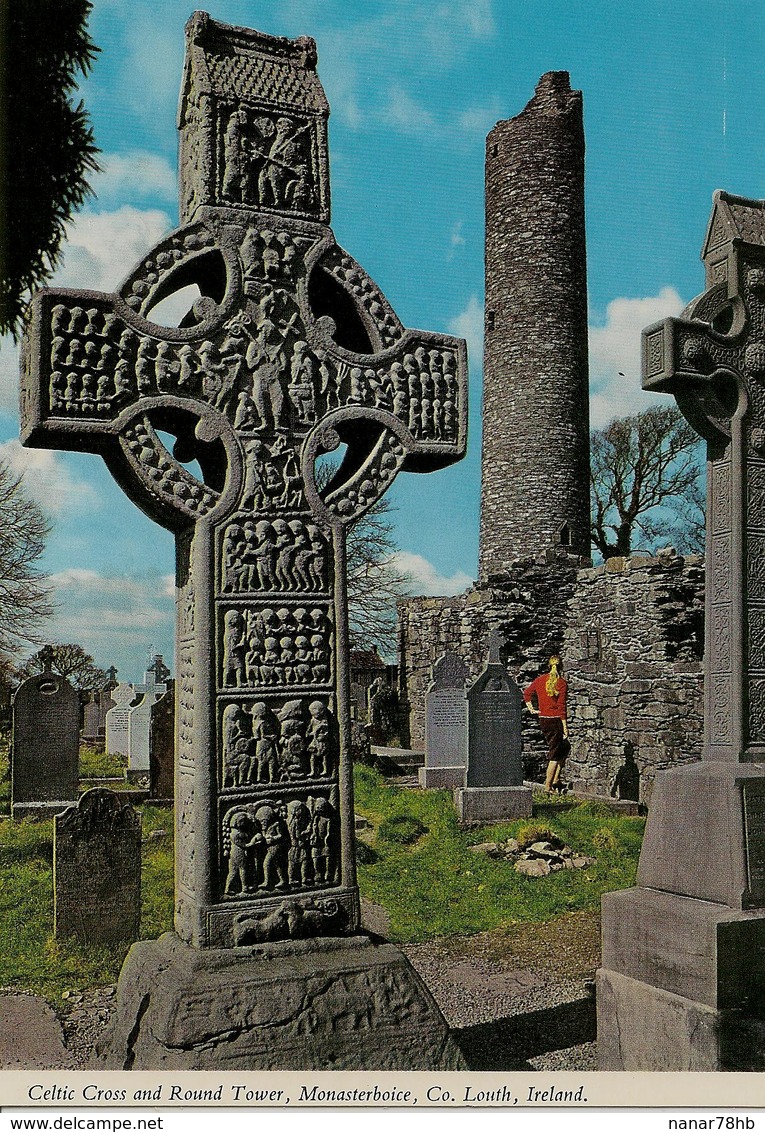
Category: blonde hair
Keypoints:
(553, 679)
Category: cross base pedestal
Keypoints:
(682, 983)
(644, 1028)
(316, 1004)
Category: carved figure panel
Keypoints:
(282, 556)
(277, 845)
(271, 647)
(268, 741)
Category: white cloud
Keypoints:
(406, 113)
(47, 479)
(135, 175)
(615, 389)
(425, 578)
(112, 616)
(457, 239)
(101, 247)
(469, 325)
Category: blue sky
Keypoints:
(674, 104)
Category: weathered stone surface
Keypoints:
(30, 1035)
(494, 705)
(530, 868)
(535, 465)
(290, 352)
(693, 948)
(639, 690)
(162, 745)
(94, 716)
(441, 777)
(45, 745)
(705, 841)
(117, 720)
(97, 870)
(323, 1004)
(476, 805)
(446, 714)
(139, 720)
(589, 617)
(642, 1028)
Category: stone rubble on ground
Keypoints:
(539, 859)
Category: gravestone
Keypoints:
(162, 745)
(139, 720)
(45, 744)
(682, 983)
(117, 719)
(445, 725)
(290, 351)
(94, 725)
(97, 870)
(494, 789)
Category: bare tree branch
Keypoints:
(25, 598)
(374, 581)
(646, 476)
(71, 661)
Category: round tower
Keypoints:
(535, 489)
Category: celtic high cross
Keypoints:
(712, 359)
(288, 352)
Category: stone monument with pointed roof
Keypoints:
(290, 351)
(682, 985)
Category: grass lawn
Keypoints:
(433, 885)
(419, 867)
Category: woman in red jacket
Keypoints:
(550, 691)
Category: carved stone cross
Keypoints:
(288, 352)
(712, 358)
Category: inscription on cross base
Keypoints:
(289, 351)
(712, 358)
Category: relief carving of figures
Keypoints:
(264, 744)
(278, 846)
(267, 162)
(293, 919)
(272, 478)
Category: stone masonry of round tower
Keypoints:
(535, 491)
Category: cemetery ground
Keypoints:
(476, 929)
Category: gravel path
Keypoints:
(518, 998)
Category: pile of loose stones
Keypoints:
(546, 855)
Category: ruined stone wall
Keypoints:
(535, 478)
(634, 648)
(630, 632)
(527, 605)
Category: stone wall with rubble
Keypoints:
(631, 634)
(634, 646)
(527, 604)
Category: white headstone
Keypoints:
(139, 720)
(117, 719)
